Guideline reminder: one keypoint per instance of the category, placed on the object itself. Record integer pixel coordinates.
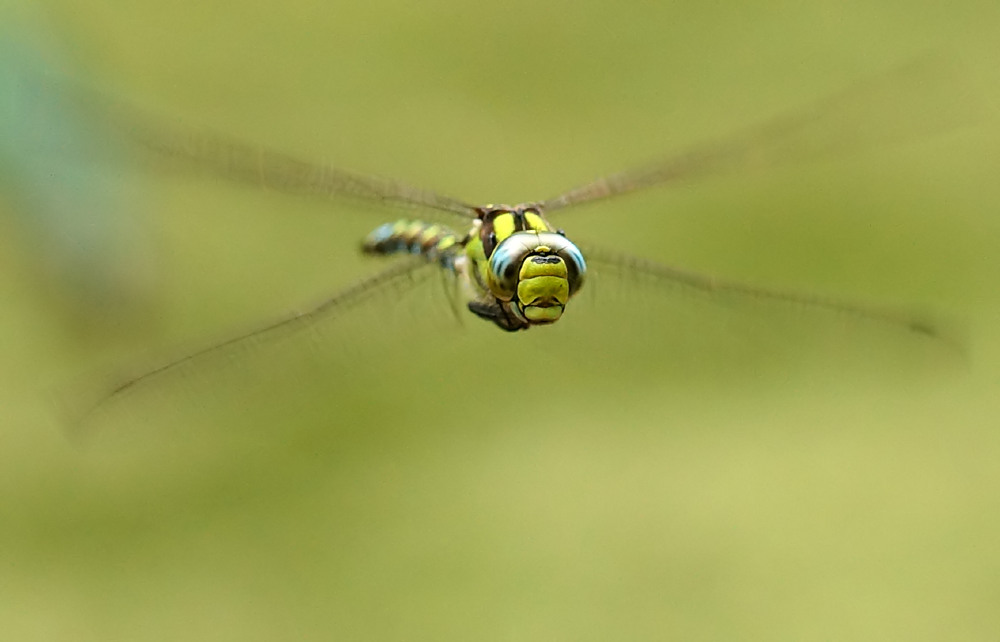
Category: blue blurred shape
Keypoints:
(77, 222)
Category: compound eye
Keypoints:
(576, 266)
(505, 265)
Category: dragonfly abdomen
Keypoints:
(430, 240)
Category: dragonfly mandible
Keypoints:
(518, 270)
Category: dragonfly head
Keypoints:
(535, 274)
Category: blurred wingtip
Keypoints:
(74, 404)
(948, 331)
(79, 403)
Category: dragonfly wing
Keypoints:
(631, 266)
(914, 101)
(247, 163)
(405, 273)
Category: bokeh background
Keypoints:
(654, 466)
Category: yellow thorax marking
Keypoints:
(535, 222)
(503, 225)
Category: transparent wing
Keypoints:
(247, 163)
(631, 267)
(922, 98)
(403, 274)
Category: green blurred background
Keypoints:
(652, 467)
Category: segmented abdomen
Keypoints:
(430, 240)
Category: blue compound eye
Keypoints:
(576, 266)
(506, 260)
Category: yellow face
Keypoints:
(543, 287)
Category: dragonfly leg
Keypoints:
(493, 311)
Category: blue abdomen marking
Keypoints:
(430, 240)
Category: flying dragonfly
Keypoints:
(516, 269)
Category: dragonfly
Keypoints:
(516, 269)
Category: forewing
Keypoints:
(244, 162)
